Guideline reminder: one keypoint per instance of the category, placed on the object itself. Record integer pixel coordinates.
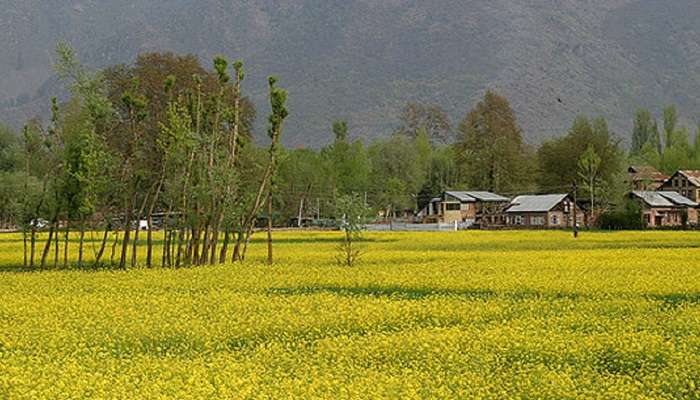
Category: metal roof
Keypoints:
(664, 199)
(487, 196)
(535, 203)
(472, 197)
(678, 198)
(654, 199)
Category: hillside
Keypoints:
(363, 60)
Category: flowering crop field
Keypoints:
(424, 315)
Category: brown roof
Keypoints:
(647, 173)
(692, 175)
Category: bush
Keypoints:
(629, 218)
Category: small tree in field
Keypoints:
(351, 211)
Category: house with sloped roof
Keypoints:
(685, 182)
(666, 209)
(466, 207)
(547, 211)
(646, 177)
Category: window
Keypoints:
(537, 221)
(555, 220)
(518, 219)
(452, 206)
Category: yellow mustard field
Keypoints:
(424, 315)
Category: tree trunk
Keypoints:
(25, 248)
(47, 247)
(180, 239)
(215, 239)
(80, 245)
(129, 214)
(224, 247)
(204, 256)
(193, 251)
(269, 228)
(149, 218)
(114, 248)
(149, 242)
(235, 256)
(167, 237)
(55, 246)
(66, 244)
(98, 257)
(32, 247)
(139, 215)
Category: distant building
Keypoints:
(646, 177)
(666, 209)
(470, 207)
(686, 182)
(543, 211)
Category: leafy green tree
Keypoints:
(397, 173)
(655, 139)
(678, 155)
(490, 150)
(695, 158)
(558, 158)
(351, 214)
(649, 154)
(643, 131)
(304, 183)
(670, 116)
(349, 163)
(588, 168)
(10, 150)
(443, 174)
(278, 100)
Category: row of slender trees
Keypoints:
(133, 143)
(168, 142)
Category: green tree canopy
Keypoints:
(558, 158)
(643, 131)
(490, 150)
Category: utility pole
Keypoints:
(575, 222)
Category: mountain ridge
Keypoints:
(364, 60)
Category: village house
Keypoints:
(471, 208)
(685, 182)
(666, 209)
(543, 211)
(646, 177)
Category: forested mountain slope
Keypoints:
(362, 60)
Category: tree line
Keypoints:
(163, 136)
(167, 140)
